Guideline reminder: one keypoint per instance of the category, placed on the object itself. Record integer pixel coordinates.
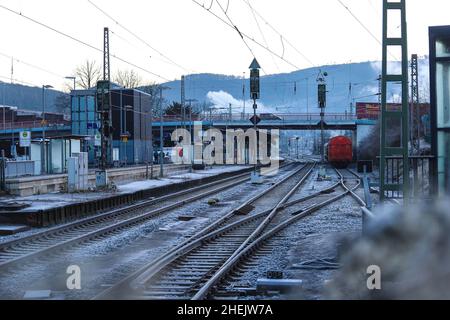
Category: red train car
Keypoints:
(339, 151)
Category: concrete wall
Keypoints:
(58, 183)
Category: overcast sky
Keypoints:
(321, 30)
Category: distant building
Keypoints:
(372, 110)
(131, 121)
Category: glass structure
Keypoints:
(440, 105)
(131, 117)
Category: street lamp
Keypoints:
(44, 148)
(161, 131)
(74, 82)
(191, 133)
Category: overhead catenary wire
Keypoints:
(360, 22)
(117, 35)
(31, 65)
(238, 31)
(247, 36)
(137, 37)
(279, 33)
(80, 41)
(262, 35)
(365, 27)
(17, 81)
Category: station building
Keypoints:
(131, 122)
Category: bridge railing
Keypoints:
(31, 125)
(241, 117)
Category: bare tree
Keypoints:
(88, 74)
(128, 79)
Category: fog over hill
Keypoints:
(296, 92)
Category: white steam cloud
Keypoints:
(221, 100)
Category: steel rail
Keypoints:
(114, 213)
(231, 263)
(76, 227)
(273, 213)
(214, 230)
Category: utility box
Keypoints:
(78, 178)
(101, 179)
(116, 157)
(73, 174)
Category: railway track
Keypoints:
(276, 227)
(230, 232)
(195, 268)
(265, 246)
(102, 225)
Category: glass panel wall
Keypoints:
(444, 161)
(443, 94)
(443, 48)
(440, 104)
(75, 115)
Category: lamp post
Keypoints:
(191, 133)
(74, 82)
(289, 147)
(161, 131)
(44, 147)
(243, 96)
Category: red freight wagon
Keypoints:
(339, 151)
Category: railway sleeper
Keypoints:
(190, 278)
(201, 264)
(163, 294)
(204, 255)
(181, 282)
(169, 288)
(200, 268)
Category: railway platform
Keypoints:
(58, 208)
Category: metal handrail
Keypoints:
(265, 117)
(31, 124)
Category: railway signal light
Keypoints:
(322, 101)
(322, 88)
(104, 109)
(255, 94)
(255, 80)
